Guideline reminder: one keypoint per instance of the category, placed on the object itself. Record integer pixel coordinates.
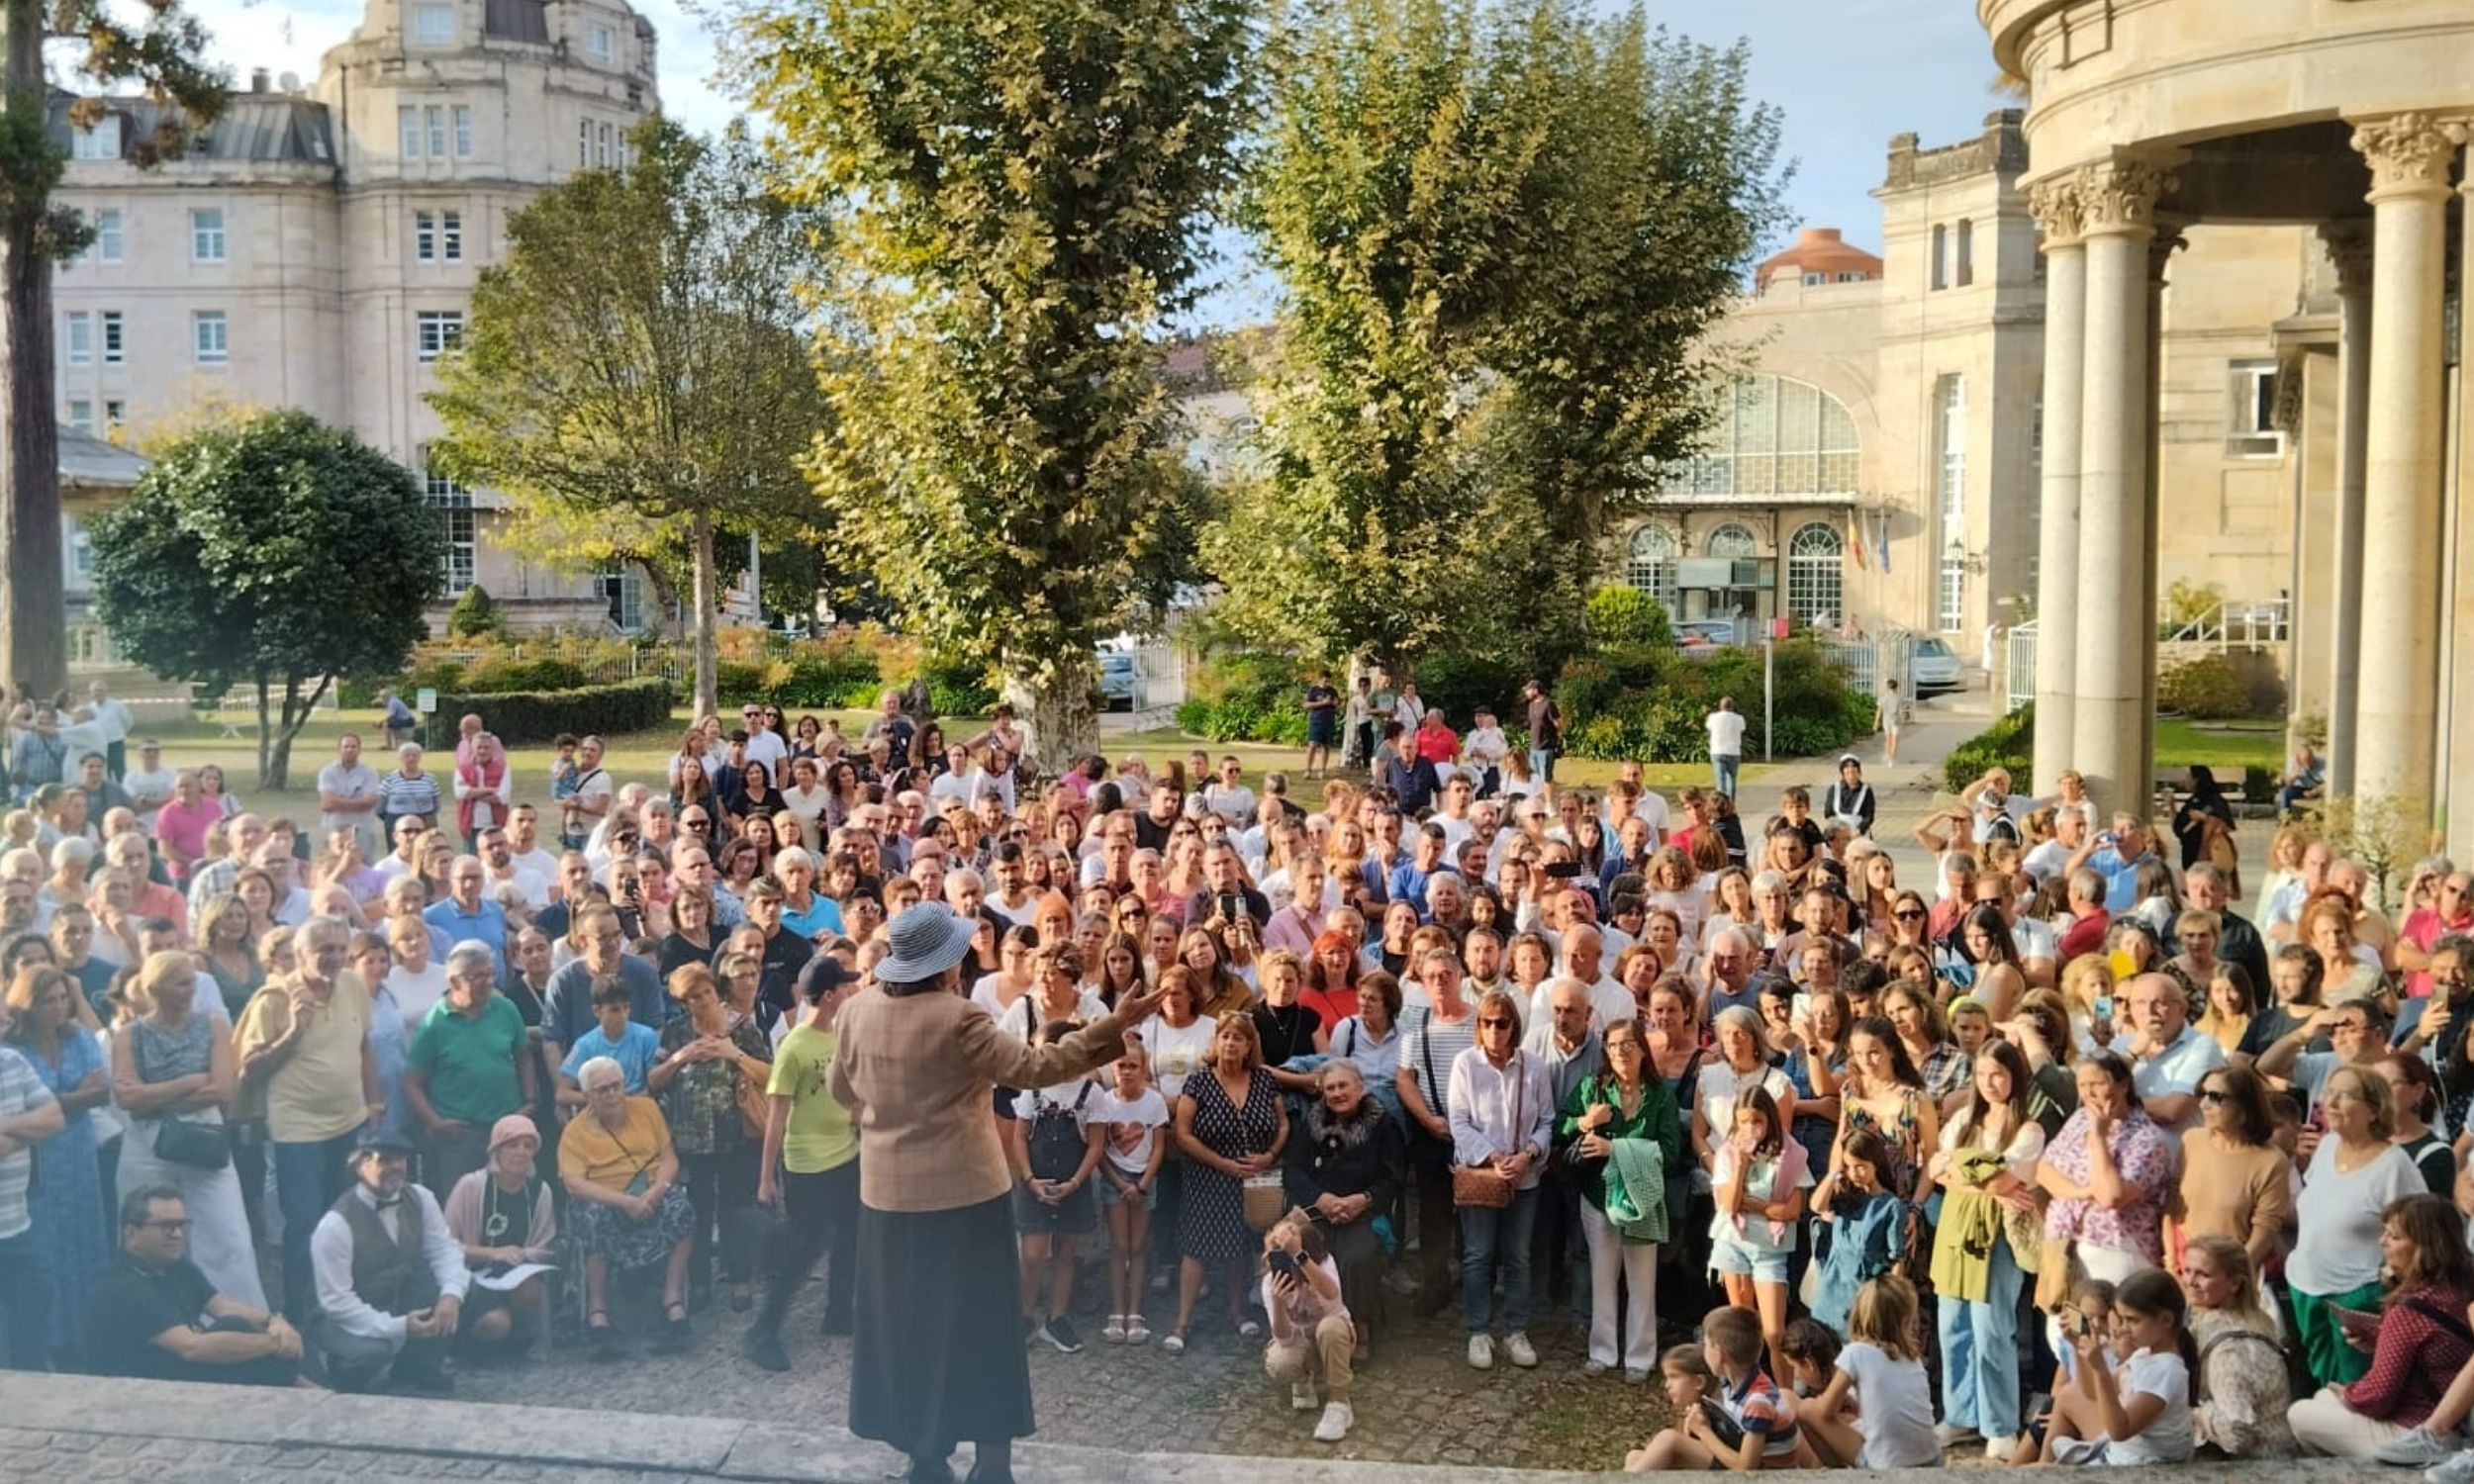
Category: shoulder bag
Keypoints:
(200, 1145)
(1483, 1185)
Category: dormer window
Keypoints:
(433, 25)
(600, 45)
(102, 141)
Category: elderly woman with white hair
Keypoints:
(621, 1176)
(805, 911)
(1347, 1162)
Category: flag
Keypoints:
(1882, 527)
(1855, 535)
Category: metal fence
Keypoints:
(2020, 688)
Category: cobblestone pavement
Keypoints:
(1416, 1401)
(93, 1459)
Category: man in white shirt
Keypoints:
(389, 1276)
(1726, 743)
(149, 784)
(348, 796)
(1582, 953)
(1227, 796)
(499, 865)
(2169, 1055)
(2048, 858)
(765, 745)
(113, 720)
(524, 836)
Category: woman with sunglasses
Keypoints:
(2236, 1183)
(1502, 1110)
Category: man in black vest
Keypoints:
(391, 1277)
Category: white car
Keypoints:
(1933, 667)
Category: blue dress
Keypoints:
(1868, 1236)
(67, 1204)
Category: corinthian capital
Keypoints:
(2121, 196)
(2055, 202)
(2409, 152)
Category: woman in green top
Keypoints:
(811, 1140)
(1619, 1107)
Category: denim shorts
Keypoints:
(1734, 1255)
(1109, 1195)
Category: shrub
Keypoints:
(1618, 614)
(2008, 743)
(522, 718)
(475, 616)
(1461, 681)
(2207, 689)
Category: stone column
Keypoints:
(2397, 694)
(2118, 202)
(2167, 241)
(2350, 248)
(2056, 205)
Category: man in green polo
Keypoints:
(466, 1068)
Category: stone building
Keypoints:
(319, 246)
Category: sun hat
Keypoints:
(378, 1138)
(512, 1127)
(926, 940)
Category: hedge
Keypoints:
(2008, 743)
(527, 718)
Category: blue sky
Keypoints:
(1848, 74)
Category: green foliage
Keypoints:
(1644, 701)
(1620, 614)
(1461, 681)
(1502, 230)
(1020, 188)
(2009, 742)
(2222, 686)
(269, 554)
(1246, 695)
(2259, 782)
(476, 615)
(636, 375)
(2187, 603)
(529, 718)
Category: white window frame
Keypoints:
(80, 415)
(584, 144)
(1816, 570)
(450, 237)
(77, 339)
(208, 242)
(109, 245)
(434, 121)
(407, 128)
(606, 146)
(600, 45)
(209, 338)
(100, 141)
(436, 333)
(115, 413)
(424, 237)
(463, 130)
(454, 504)
(2252, 431)
(1949, 608)
(433, 25)
(1651, 565)
(111, 337)
(1950, 453)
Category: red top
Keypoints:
(2414, 1359)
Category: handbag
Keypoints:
(1483, 1185)
(1265, 1200)
(755, 1103)
(201, 1146)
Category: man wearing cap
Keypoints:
(939, 1359)
(391, 1277)
(503, 1215)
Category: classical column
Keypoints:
(2167, 241)
(2350, 248)
(2118, 202)
(2397, 694)
(2055, 202)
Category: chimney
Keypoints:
(257, 79)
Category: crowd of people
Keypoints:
(2069, 1149)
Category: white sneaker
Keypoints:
(2418, 1447)
(1997, 1450)
(1516, 1345)
(1951, 1432)
(1335, 1423)
(1481, 1351)
(1302, 1397)
(2458, 1468)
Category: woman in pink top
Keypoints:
(180, 827)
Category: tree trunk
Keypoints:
(265, 739)
(1059, 720)
(33, 615)
(707, 701)
(275, 764)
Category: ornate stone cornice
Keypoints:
(2409, 154)
(2119, 195)
(2348, 246)
(2055, 204)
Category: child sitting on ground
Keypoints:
(1684, 1372)
(1744, 1423)
(1880, 1369)
(2137, 1411)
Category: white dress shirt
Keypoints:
(330, 1261)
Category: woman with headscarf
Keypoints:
(2205, 818)
(940, 1356)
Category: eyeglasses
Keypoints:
(180, 1225)
(2212, 1096)
(1496, 1023)
(1906, 914)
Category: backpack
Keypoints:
(1057, 1140)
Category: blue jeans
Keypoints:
(1981, 1352)
(1725, 764)
(26, 1301)
(309, 1178)
(1489, 1235)
(1541, 764)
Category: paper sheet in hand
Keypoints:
(512, 1278)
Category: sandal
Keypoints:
(1136, 1331)
(674, 1328)
(1175, 1345)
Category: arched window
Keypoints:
(1734, 541)
(1773, 437)
(1650, 564)
(1813, 554)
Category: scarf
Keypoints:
(1636, 1190)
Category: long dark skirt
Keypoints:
(939, 1357)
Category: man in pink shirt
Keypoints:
(180, 827)
(2451, 911)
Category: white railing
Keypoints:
(1158, 681)
(2020, 685)
(92, 649)
(2236, 625)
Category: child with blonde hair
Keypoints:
(1310, 1326)
(1881, 1370)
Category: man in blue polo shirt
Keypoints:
(2117, 855)
(1409, 878)
(466, 913)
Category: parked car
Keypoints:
(1701, 636)
(1116, 680)
(1933, 667)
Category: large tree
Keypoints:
(1500, 230)
(1021, 188)
(157, 48)
(277, 554)
(635, 378)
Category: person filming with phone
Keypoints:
(1311, 1333)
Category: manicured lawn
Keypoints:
(1160, 744)
(2228, 748)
